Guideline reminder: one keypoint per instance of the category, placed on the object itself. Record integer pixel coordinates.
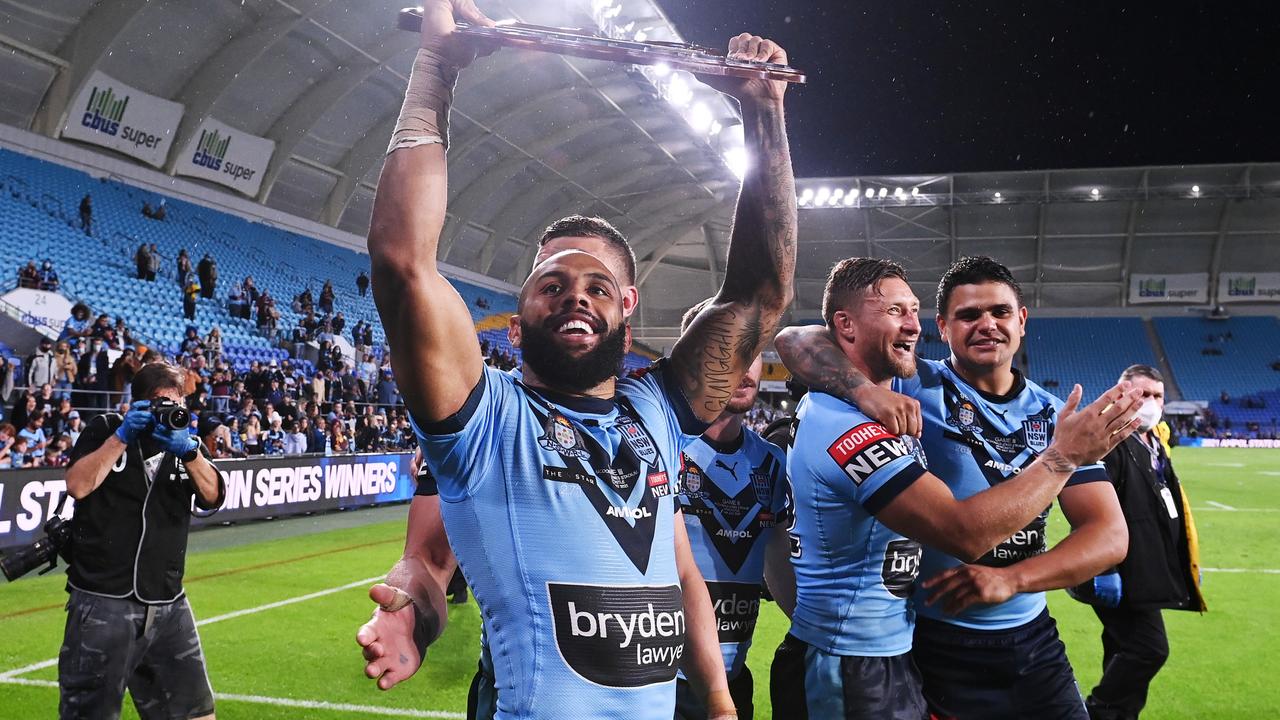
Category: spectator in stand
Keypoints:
(101, 327)
(213, 345)
(23, 408)
(64, 362)
(7, 381)
(251, 432)
(147, 212)
(122, 372)
(326, 298)
(317, 392)
(251, 290)
(190, 341)
(161, 211)
(273, 439)
(267, 315)
(216, 438)
(220, 391)
(367, 372)
(55, 455)
(388, 394)
(74, 427)
(338, 324)
(190, 292)
(295, 436)
(29, 276)
(42, 366)
(318, 436)
(78, 325)
(184, 267)
(86, 214)
(238, 302)
(153, 262)
(357, 337)
(49, 277)
(33, 433)
(207, 271)
(338, 440)
(123, 334)
(93, 376)
(362, 283)
(7, 434)
(18, 455)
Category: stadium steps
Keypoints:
(1171, 389)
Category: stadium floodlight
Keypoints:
(851, 197)
(1195, 189)
(661, 69)
(883, 192)
(700, 117)
(738, 161)
(806, 196)
(823, 194)
(871, 192)
(915, 192)
(678, 91)
(837, 196)
(998, 196)
(600, 5)
(898, 193)
(716, 127)
(1095, 193)
(641, 36)
(614, 11)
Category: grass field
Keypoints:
(280, 602)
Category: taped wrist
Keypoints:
(720, 705)
(424, 116)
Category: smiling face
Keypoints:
(883, 324)
(984, 325)
(570, 325)
(603, 251)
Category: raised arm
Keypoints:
(816, 361)
(721, 343)
(433, 342)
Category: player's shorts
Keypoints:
(808, 684)
(1021, 672)
(482, 698)
(690, 707)
(153, 650)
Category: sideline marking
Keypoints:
(1260, 571)
(1219, 505)
(1235, 509)
(1231, 465)
(289, 702)
(11, 674)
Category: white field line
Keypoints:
(289, 702)
(1235, 509)
(1269, 472)
(1231, 465)
(1219, 505)
(1259, 571)
(10, 674)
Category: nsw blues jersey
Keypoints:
(732, 498)
(853, 574)
(975, 440)
(561, 513)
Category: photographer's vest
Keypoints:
(131, 532)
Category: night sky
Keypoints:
(914, 87)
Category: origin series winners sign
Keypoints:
(256, 488)
(1184, 288)
(1248, 287)
(114, 115)
(222, 154)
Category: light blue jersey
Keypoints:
(853, 574)
(975, 440)
(732, 498)
(561, 513)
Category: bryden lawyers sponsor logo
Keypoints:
(865, 449)
(901, 566)
(619, 636)
(737, 606)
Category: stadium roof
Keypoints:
(536, 137)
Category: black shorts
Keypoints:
(690, 707)
(153, 650)
(806, 683)
(1014, 674)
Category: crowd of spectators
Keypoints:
(39, 278)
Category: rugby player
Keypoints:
(732, 495)
(563, 481)
(984, 642)
(864, 501)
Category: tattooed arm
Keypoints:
(817, 362)
(713, 354)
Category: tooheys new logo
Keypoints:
(104, 111)
(865, 449)
(619, 636)
(211, 150)
(737, 605)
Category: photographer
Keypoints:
(128, 621)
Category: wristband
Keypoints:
(720, 705)
(424, 116)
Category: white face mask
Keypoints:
(1149, 415)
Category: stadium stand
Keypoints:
(1210, 357)
(1089, 351)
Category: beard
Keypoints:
(568, 373)
(738, 407)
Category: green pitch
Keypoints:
(280, 603)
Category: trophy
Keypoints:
(588, 44)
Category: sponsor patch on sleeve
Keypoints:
(659, 484)
(865, 449)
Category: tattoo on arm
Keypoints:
(1057, 462)
(818, 363)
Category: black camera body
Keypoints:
(56, 543)
(171, 415)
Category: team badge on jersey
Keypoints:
(964, 416)
(762, 483)
(1036, 430)
(690, 477)
(638, 439)
(560, 436)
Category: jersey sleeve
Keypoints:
(878, 464)
(658, 383)
(95, 433)
(426, 482)
(461, 449)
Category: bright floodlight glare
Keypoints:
(738, 161)
(897, 192)
(998, 195)
(1195, 189)
(807, 195)
(883, 192)
(716, 127)
(871, 192)
(614, 11)
(915, 192)
(678, 91)
(700, 117)
(839, 193)
(641, 36)
(851, 197)
(661, 69)
(823, 194)
(1095, 192)
(598, 5)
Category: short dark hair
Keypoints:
(153, 377)
(583, 226)
(692, 313)
(1145, 371)
(974, 270)
(850, 277)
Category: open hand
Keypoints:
(387, 639)
(1084, 436)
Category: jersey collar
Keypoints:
(1019, 384)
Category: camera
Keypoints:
(56, 542)
(171, 415)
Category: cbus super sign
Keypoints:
(211, 153)
(104, 112)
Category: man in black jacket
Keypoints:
(1160, 571)
(128, 621)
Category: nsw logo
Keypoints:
(560, 436)
(104, 111)
(637, 438)
(619, 636)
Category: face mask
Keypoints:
(1149, 415)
